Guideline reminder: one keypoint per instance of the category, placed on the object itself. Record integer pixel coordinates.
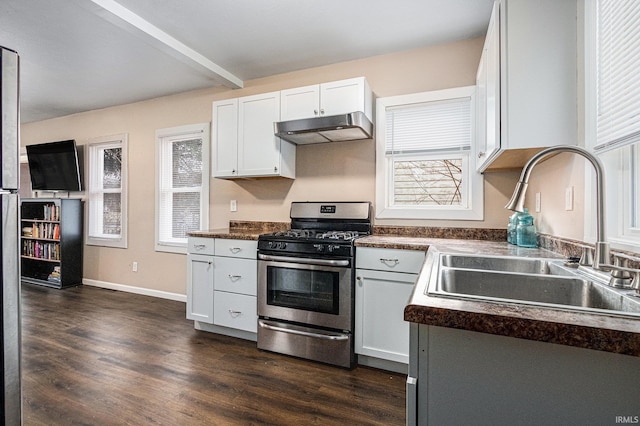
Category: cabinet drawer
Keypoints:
(235, 311)
(236, 275)
(236, 248)
(395, 260)
(200, 245)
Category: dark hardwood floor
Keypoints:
(92, 356)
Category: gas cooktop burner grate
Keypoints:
(339, 235)
(304, 234)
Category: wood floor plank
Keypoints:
(100, 357)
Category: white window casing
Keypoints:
(425, 156)
(182, 185)
(107, 184)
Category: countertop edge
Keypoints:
(581, 336)
(602, 332)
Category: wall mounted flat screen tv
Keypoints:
(54, 166)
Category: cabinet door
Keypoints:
(258, 147)
(481, 110)
(344, 96)
(300, 102)
(493, 84)
(224, 139)
(488, 83)
(381, 330)
(200, 288)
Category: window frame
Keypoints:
(621, 162)
(472, 208)
(94, 146)
(168, 136)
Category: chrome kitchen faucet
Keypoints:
(620, 274)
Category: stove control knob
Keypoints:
(283, 245)
(270, 244)
(318, 247)
(333, 248)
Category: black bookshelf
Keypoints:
(51, 241)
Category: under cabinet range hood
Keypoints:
(333, 128)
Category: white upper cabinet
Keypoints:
(224, 138)
(244, 144)
(337, 97)
(528, 75)
(488, 99)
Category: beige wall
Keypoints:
(330, 171)
(551, 178)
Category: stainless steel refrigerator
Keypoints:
(11, 413)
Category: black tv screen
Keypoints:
(54, 166)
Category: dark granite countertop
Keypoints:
(225, 233)
(602, 332)
(241, 230)
(597, 331)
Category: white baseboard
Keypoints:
(137, 290)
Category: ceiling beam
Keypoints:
(153, 35)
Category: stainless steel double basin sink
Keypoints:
(530, 281)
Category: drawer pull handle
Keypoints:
(389, 262)
(234, 314)
(199, 246)
(234, 277)
(235, 250)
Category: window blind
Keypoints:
(429, 126)
(618, 75)
(181, 187)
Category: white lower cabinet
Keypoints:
(200, 288)
(235, 311)
(222, 286)
(384, 281)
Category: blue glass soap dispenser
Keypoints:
(511, 228)
(526, 235)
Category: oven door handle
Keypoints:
(321, 262)
(327, 336)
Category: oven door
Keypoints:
(312, 293)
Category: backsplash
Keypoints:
(486, 234)
(257, 227)
(573, 248)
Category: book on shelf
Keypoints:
(51, 212)
(54, 276)
(40, 250)
(48, 231)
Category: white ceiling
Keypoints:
(79, 55)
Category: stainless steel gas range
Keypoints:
(306, 282)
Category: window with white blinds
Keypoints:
(182, 192)
(107, 192)
(612, 127)
(617, 64)
(424, 166)
(429, 126)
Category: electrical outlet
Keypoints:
(568, 198)
(233, 206)
(134, 266)
(538, 197)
